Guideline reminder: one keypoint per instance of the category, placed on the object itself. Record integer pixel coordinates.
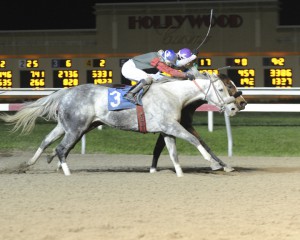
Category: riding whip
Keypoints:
(210, 20)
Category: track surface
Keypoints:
(115, 197)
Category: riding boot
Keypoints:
(131, 95)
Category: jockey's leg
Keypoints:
(131, 95)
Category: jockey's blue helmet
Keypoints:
(169, 57)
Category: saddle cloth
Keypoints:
(116, 100)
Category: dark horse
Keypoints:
(186, 121)
(80, 109)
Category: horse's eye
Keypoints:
(221, 90)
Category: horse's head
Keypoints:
(216, 93)
(233, 91)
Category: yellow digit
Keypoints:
(252, 72)
(75, 74)
(60, 74)
(28, 63)
(68, 63)
(9, 74)
(102, 63)
(244, 61)
(35, 63)
(2, 63)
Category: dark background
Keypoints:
(78, 14)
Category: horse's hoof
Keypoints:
(153, 170)
(49, 158)
(229, 169)
(215, 166)
(23, 167)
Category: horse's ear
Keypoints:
(237, 94)
(223, 76)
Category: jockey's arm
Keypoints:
(156, 62)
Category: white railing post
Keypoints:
(229, 135)
(210, 120)
(83, 144)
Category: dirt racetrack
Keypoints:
(115, 197)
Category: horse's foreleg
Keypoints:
(218, 164)
(159, 146)
(179, 131)
(171, 145)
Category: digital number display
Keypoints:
(63, 71)
(6, 79)
(96, 63)
(204, 62)
(278, 77)
(210, 71)
(274, 61)
(240, 62)
(65, 78)
(28, 63)
(2, 64)
(99, 76)
(242, 77)
(61, 63)
(32, 78)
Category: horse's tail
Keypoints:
(25, 118)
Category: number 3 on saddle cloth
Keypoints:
(116, 101)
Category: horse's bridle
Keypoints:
(221, 102)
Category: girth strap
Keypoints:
(141, 119)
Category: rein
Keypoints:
(221, 103)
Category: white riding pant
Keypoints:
(131, 72)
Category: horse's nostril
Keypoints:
(243, 104)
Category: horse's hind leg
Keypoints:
(56, 133)
(64, 147)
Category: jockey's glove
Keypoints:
(190, 76)
(195, 52)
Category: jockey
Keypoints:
(185, 58)
(161, 61)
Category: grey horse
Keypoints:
(80, 109)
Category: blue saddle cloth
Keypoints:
(116, 100)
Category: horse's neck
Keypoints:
(186, 91)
